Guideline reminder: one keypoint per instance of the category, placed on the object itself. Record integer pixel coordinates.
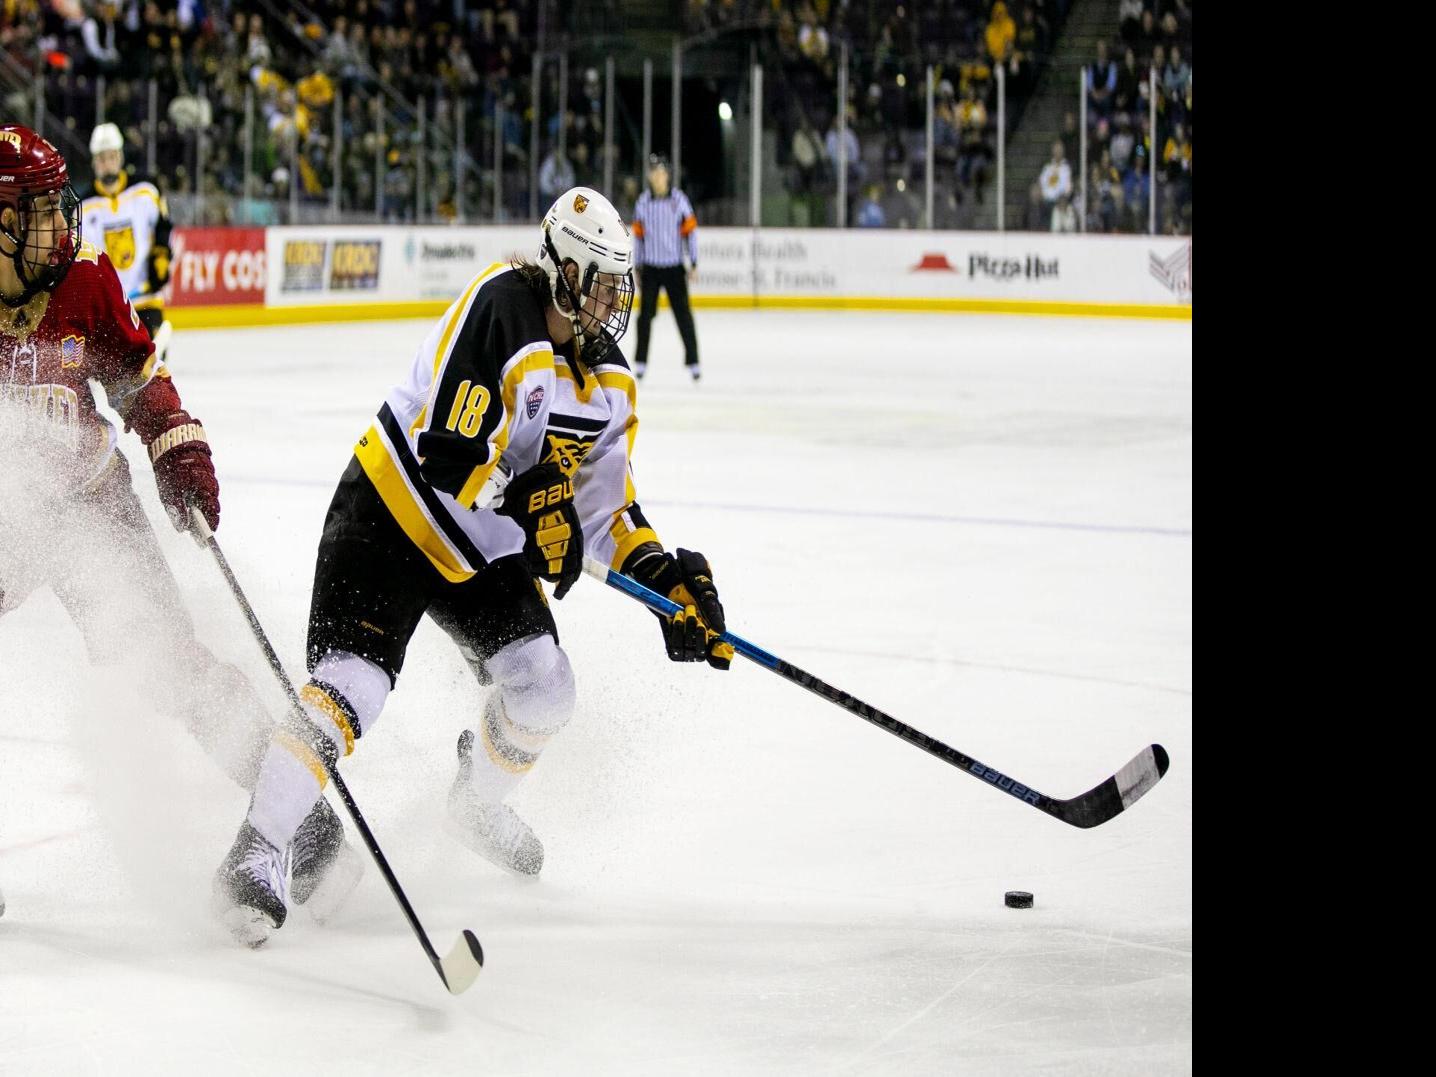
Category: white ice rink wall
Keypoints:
(236, 276)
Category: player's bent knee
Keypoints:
(345, 696)
(535, 681)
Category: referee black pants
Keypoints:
(675, 279)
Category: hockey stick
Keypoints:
(1092, 808)
(460, 967)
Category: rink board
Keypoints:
(232, 277)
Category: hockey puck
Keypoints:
(1018, 899)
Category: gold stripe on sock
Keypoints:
(320, 700)
(305, 755)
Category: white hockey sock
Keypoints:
(341, 700)
(287, 790)
(534, 701)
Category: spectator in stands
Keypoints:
(1129, 19)
(1101, 82)
(972, 123)
(398, 199)
(1001, 33)
(1129, 75)
(555, 176)
(1122, 142)
(1136, 189)
(1064, 215)
(946, 129)
(1035, 216)
(1176, 76)
(1028, 51)
(1105, 192)
(1145, 39)
(853, 154)
(1056, 177)
(98, 33)
(812, 37)
(870, 213)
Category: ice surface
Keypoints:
(980, 524)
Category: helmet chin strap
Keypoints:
(573, 307)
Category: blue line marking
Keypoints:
(920, 517)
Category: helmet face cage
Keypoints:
(602, 321)
(44, 251)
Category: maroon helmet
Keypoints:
(35, 184)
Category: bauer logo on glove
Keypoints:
(541, 502)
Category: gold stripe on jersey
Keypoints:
(630, 431)
(441, 353)
(376, 458)
(527, 360)
(626, 540)
(583, 395)
(618, 378)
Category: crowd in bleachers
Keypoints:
(295, 61)
(357, 73)
(889, 49)
(1153, 36)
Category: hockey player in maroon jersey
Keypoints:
(65, 321)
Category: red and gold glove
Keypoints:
(184, 471)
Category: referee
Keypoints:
(664, 228)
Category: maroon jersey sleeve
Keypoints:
(124, 359)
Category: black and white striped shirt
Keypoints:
(663, 228)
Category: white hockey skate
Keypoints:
(492, 830)
(325, 868)
(250, 888)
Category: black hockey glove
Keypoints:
(541, 502)
(692, 635)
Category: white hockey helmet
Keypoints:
(583, 227)
(106, 137)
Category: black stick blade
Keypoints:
(461, 966)
(1117, 793)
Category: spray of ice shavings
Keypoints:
(140, 710)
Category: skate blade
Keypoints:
(465, 837)
(249, 926)
(334, 889)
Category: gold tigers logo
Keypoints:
(580, 203)
(120, 246)
(566, 452)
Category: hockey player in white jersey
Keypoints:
(501, 459)
(126, 217)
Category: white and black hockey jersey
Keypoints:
(130, 223)
(489, 396)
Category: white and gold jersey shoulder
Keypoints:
(127, 224)
(487, 397)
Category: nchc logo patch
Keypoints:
(580, 203)
(532, 401)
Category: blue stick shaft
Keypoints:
(1091, 808)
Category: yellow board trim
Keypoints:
(305, 754)
(388, 480)
(257, 316)
(320, 700)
